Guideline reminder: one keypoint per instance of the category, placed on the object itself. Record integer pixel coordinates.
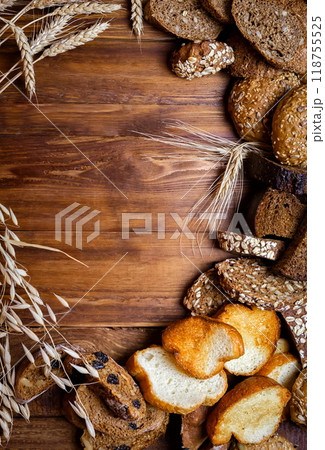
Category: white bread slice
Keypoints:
(282, 346)
(251, 412)
(260, 330)
(168, 387)
(201, 345)
(283, 368)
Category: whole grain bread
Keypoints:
(186, 19)
(263, 167)
(293, 262)
(298, 402)
(276, 28)
(193, 429)
(289, 128)
(252, 282)
(251, 412)
(198, 59)
(276, 213)
(250, 245)
(260, 331)
(116, 387)
(219, 9)
(167, 387)
(283, 368)
(251, 104)
(205, 296)
(296, 318)
(202, 345)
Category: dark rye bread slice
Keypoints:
(219, 9)
(193, 430)
(266, 169)
(293, 262)
(186, 19)
(116, 387)
(251, 282)
(276, 28)
(276, 213)
(296, 319)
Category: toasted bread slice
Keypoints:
(283, 368)
(260, 331)
(282, 346)
(168, 387)
(202, 345)
(251, 412)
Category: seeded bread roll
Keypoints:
(250, 245)
(251, 412)
(195, 60)
(298, 402)
(251, 103)
(283, 368)
(186, 19)
(276, 28)
(219, 9)
(205, 296)
(293, 263)
(276, 213)
(289, 128)
(193, 430)
(269, 171)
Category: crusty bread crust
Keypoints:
(191, 342)
(245, 389)
(136, 370)
(277, 361)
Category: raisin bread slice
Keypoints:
(186, 19)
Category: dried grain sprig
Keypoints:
(49, 33)
(5, 4)
(137, 17)
(85, 8)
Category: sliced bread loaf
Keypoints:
(260, 331)
(167, 387)
(186, 19)
(205, 296)
(298, 402)
(283, 368)
(251, 412)
(276, 213)
(202, 345)
(276, 28)
(193, 429)
(252, 282)
(249, 245)
(263, 167)
(219, 9)
(293, 262)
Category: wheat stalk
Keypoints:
(85, 8)
(137, 17)
(5, 4)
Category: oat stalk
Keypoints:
(137, 17)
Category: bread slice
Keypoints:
(275, 442)
(260, 331)
(219, 9)
(296, 319)
(251, 412)
(186, 19)
(293, 262)
(276, 213)
(276, 28)
(167, 387)
(250, 245)
(202, 345)
(298, 402)
(252, 282)
(205, 296)
(282, 346)
(193, 429)
(283, 368)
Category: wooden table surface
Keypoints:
(78, 144)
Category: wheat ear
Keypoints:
(137, 17)
(84, 8)
(49, 33)
(5, 4)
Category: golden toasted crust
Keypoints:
(277, 361)
(250, 104)
(289, 128)
(243, 390)
(192, 341)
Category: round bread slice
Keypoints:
(283, 368)
(186, 19)
(289, 128)
(202, 345)
(168, 387)
(251, 101)
(260, 330)
(251, 412)
(219, 9)
(298, 403)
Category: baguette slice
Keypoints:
(202, 345)
(260, 331)
(251, 412)
(186, 19)
(193, 430)
(167, 387)
(283, 368)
